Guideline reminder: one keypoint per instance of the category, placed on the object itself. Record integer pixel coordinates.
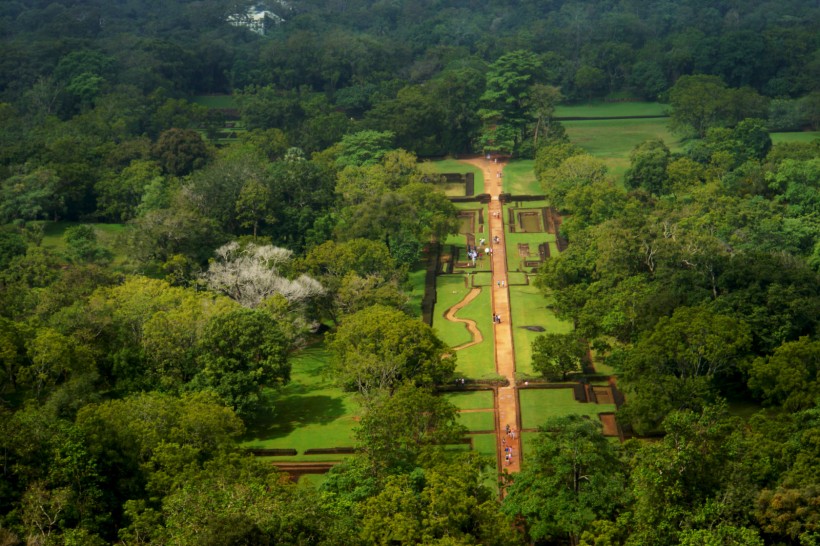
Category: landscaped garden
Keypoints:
(538, 405)
(310, 412)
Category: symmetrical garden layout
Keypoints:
(311, 421)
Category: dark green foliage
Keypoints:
(240, 352)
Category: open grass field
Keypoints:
(611, 110)
(309, 412)
(805, 136)
(611, 140)
(456, 166)
(519, 178)
(529, 308)
(538, 405)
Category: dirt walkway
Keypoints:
(450, 315)
(507, 402)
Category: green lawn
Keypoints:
(471, 399)
(478, 361)
(309, 412)
(611, 110)
(529, 308)
(538, 405)
(805, 136)
(612, 140)
(456, 166)
(478, 421)
(450, 290)
(519, 178)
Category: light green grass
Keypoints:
(478, 421)
(538, 405)
(456, 166)
(611, 110)
(529, 308)
(216, 101)
(805, 136)
(613, 140)
(519, 178)
(471, 399)
(450, 290)
(478, 361)
(484, 444)
(309, 412)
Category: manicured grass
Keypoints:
(309, 412)
(478, 421)
(805, 136)
(216, 101)
(456, 166)
(450, 290)
(471, 399)
(529, 308)
(538, 405)
(478, 361)
(484, 444)
(611, 110)
(519, 178)
(613, 140)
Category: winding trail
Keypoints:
(470, 324)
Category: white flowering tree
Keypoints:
(252, 274)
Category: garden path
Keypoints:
(507, 399)
(450, 315)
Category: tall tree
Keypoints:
(572, 478)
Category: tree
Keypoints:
(791, 376)
(648, 167)
(82, 246)
(30, 196)
(443, 504)
(676, 364)
(251, 274)
(378, 349)
(685, 481)
(363, 148)
(572, 478)
(254, 205)
(556, 355)
(398, 430)
(505, 98)
(699, 102)
(241, 352)
(541, 102)
(180, 151)
(574, 171)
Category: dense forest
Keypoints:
(294, 214)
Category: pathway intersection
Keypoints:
(507, 415)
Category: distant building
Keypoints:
(256, 20)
